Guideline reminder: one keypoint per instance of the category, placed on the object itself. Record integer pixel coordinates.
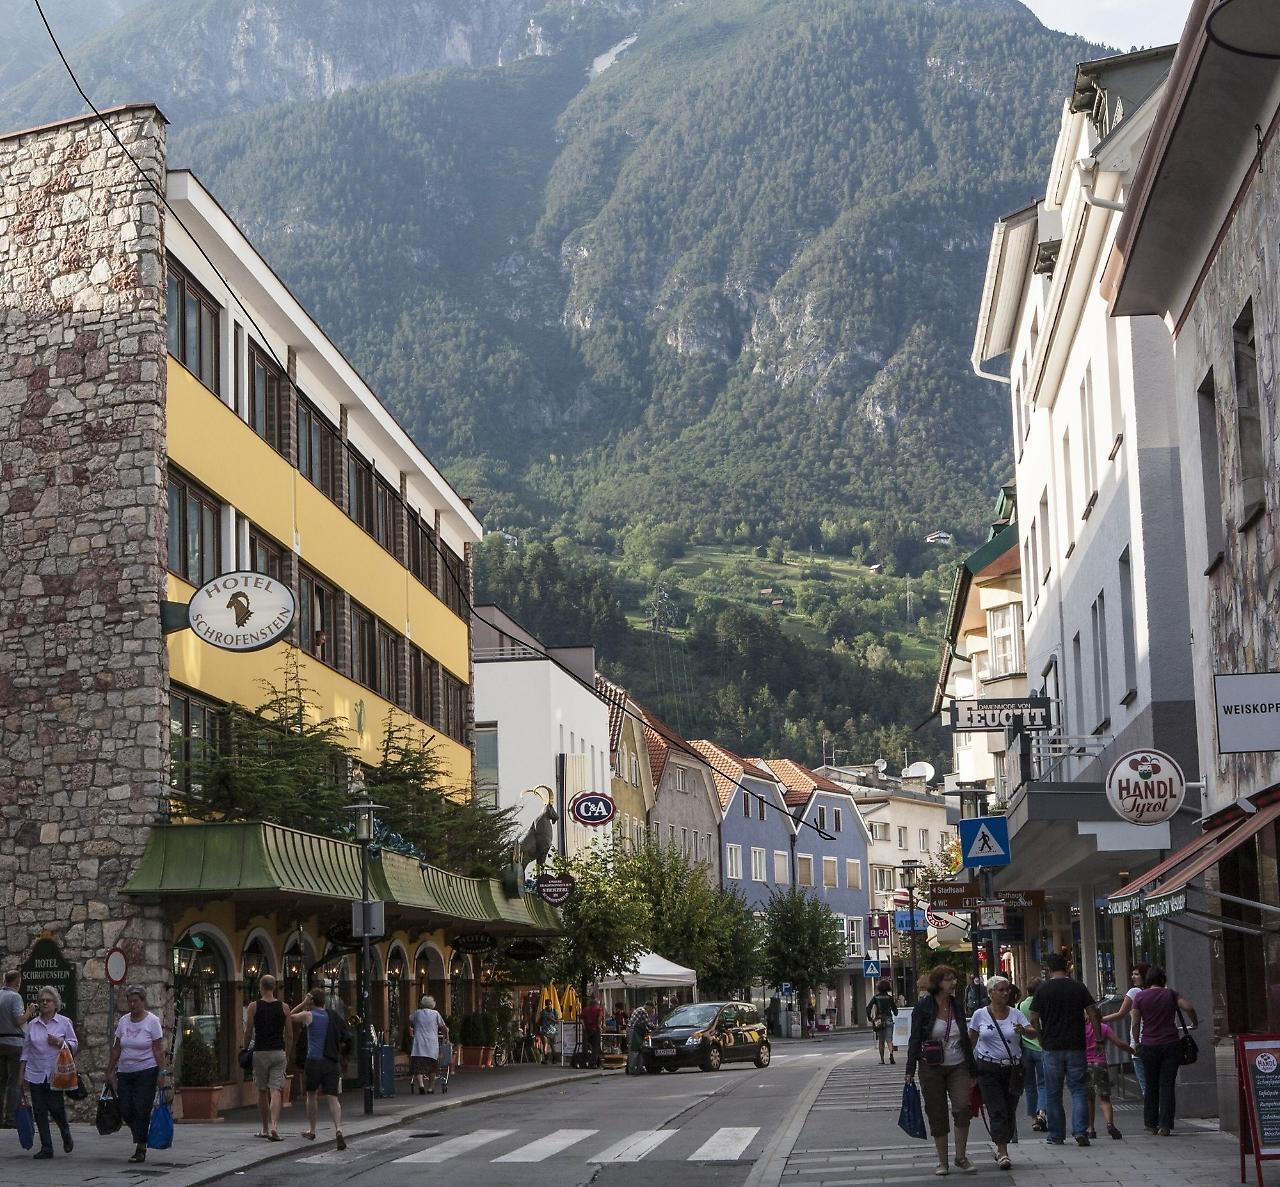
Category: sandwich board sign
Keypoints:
(984, 841)
(1258, 1088)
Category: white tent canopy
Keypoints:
(652, 972)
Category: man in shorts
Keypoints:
(271, 1029)
(326, 1033)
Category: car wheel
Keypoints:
(763, 1055)
(712, 1061)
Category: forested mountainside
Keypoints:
(630, 268)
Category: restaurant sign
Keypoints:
(47, 966)
(996, 716)
(1146, 787)
(242, 611)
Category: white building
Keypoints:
(537, 726)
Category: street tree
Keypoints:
(803, 943)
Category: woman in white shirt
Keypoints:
(47, 1034)
(996, 1031)
(425, 1024)
(137, 1055)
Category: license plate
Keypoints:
(664, 1054)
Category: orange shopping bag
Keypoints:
(64, 1075)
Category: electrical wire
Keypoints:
(462, 590)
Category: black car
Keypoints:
(706, 1034)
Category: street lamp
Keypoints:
(909, 868)
(364, 808)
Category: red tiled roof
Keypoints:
(724, 763)
(799, 781)
(616, 698)
(661, 739)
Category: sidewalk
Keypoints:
(202, 1152)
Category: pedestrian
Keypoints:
(326, 1036)
(133, 1067)
(619, 1019)
(13, 1029)
(1100, 1077)
(425, 1025)
(548, 1030)
(996, 1032)
(272, 1029)
(773, 1015)
(1137, 983)
(881, 1011)
(638, 1035)
(975, 996)
(47, 1033)
(592, 1020)
(941, 1049)
(1058, 1011)
(1154, 1011)
(1033, 1067)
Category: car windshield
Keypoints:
(700, 1015)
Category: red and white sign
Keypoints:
(117, 966)
(901, 898)
(1146, 787)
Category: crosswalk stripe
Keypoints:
(545, 1147)
(635, 1147)
(352, 1153)
(725, 1144)
(463, 1144)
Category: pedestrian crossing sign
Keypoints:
(870, 967)
(984, 841)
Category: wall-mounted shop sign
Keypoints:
(242, 611)
(996, 716)
(47, 966)
(474, 942)
(1169, 904)
(1146, 787)
(593, 808)
(556, 889)
(1248, 712)
(526, 949)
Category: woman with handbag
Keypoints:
(996, 1031)
(49, 1034)
(1160, 1047)
(940, 1048)
(133, 1068)
(881, 1011)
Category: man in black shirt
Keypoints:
(1058, 1012)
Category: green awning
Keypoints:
(251, 860)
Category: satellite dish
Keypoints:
(881, 765)
(919, 770)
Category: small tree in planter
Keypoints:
(197, 1078)
(471, 1046)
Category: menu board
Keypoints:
(1258, 1076)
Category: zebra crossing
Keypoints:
(505, 1146)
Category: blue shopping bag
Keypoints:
(911, 1115)
(160, 1135)
(25, 1123)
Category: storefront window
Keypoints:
(256, 962)
(200, 984)
(293, 973)
(397, 997)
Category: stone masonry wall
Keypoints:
(83, 672)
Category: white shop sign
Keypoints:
(1248, 705)
(1146, 787)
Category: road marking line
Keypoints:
(635, 1147)
(359, 1150)
(725, 1145)
(463, 1144)
(545, 1147)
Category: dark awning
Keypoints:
(1128, 898)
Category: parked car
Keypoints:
(707, 1034)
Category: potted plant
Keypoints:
(471, 1041)
(197, 1078)
(488, 1038)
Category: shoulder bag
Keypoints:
(1188, 1051)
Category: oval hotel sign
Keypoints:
(1146, 787)
(242, 611)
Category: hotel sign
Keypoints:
(242, 611)
(996, 716)
(1248, 705)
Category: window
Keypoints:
(385, 503)
(454, 716)
(1068, 496)
(879, 830)
(319, 451)
(1045, 546)
(902, 836)
(1077, 678)
(265, 555)
(924, 840)
(195, 518)
(1210, 470)
(757, 865)
(781, 868)
(635, 771)
(1033, 540)
(822, 818)
(268, 391)
(486, 764)
(194, 726)
(454, 593)
(1127, 627)
(852, 873)
(882, 879)
(760, 808)
(854, 925)
(364, 647)
(1248, 421)
(1101, 694)
(1004, 629)
(830, 873)
(679, 777)
(836, 823)
(684, 841)
(387, 681)
(746, 805)
(1088, 440)
(317, 616)
(194, 320)
(733, 861)
(360, 490)
(423, 558)
(804, 869)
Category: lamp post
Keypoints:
(363, 808)
(909, 867)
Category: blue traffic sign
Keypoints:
(870, 967)
(984, 841)
(786, 989)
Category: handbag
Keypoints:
(933, 1050)
(1015, 1065)
(911, 1115)
(160, 1132)
(81, 1090)
(1188, 1050)
(24, 1122)
(245, 1058)
(64, 1073)
(107, 1119)
(975, 1098)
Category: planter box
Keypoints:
(473, 1056)
(200, 1104)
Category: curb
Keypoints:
(228, 1164)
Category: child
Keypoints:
(1100, 1075)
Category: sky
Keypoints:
(1118, 23)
